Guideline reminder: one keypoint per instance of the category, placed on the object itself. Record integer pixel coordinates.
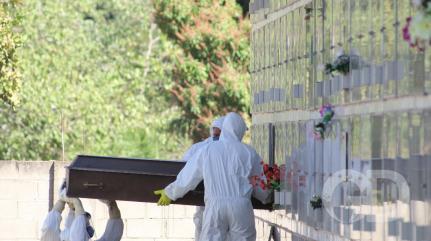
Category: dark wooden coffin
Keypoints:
(129, 179)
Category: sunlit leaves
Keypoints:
(10, 77)
(210, 70)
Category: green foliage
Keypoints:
(209, 77)
(100, 79)
(88, 73)
(10, 79)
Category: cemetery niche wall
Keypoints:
(349, 54)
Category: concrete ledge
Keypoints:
(29, 170)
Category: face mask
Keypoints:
(90, 231)
(215, 138)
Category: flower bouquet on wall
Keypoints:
(417, 31)
(272, 175)
(343, 63)
(270, 180)
(316, 202)
(322, 128)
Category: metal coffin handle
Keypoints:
(93, 185)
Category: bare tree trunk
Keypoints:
(151, 42)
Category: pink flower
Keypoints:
(262, 185)
(406, 31)
(317, 135)
(324, 109)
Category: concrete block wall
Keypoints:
(28, 189)
(24, 199)
(147, 222)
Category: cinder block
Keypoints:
(33, 210)
(176, 211)
(30, 170)
(190, 211)
(34, 170)
(133, 210)
(181, 228)
(43, 189)
(144, 228)
(18, 189)
(9, 170)
(154, 211)
(96, 208)
(15, 229)
(8, 209)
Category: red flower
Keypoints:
(262, 185)
(265, 168)
(277, 175)
(272, 174)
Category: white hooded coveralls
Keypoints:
(226, 166)
(195, 147)
(113, 230)
(199, 214)
(51, 225)
(75, 228)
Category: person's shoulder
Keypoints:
(250, 148)
(204, 142)
(197, 144)
(253, 152)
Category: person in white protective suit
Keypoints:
(79, 230)
(77, 226)
(215, 132)
(51, 225)
(227, 168)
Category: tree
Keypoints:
(89, 84)
(10, 79)
(209, 77)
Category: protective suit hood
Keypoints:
(195, 147)
(233, 128)
(218, 123)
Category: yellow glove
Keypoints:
(164, 199)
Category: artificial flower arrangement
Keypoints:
(272, 174)
(342, 63)
(417, 31)
(327, 113)
(316, 202)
